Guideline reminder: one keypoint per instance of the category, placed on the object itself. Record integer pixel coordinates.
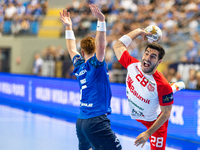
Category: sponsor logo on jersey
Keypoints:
(137, 113)
(83, 81)
(150, 88)
(86, 104)
(168, 98)
(134, 92)
(129, 81)
(81, 73)
(135, 104)
(76, 59)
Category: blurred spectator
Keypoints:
(48, 67)
(44, 5)
(109, 58)
(37, 65)
(59, 52)
(67, 67)
(75, 5)
(198, 80)
(16, 25)
(20, 9)
(191, 52)
(37, 12)
(1, 19)
(128, 5)
(197, 59)
(10, 11)
(193, 26)
(178, 77)
(133, 50)
(25, 26)
(192, 81)
(171, 76)
(33, 3)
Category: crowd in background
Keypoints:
(56, 62)
(179, 21)
(21, 14)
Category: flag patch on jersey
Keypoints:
(168, 98)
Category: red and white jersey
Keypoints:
(145, 92)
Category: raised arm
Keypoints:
(100, 39)
(126, 40)
(69, 34)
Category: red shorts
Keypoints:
(158, 138)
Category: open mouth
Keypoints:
(145, 64)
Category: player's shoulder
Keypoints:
(95, 62)
(160, 79)
(126, 59)
(78, 60)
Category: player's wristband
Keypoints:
(126, 40)
(69, 34)
(101, 26)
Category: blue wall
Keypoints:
(62, 96)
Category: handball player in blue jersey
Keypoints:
(92, 126)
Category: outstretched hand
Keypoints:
(65, 18)
(96, 12)
(141, 139)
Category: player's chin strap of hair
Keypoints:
(126, 40)
(69, 34)
(101, 26)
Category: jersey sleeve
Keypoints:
(165, 93)
(95, 62)
(166, 96)
(78, 60)
(126, 59)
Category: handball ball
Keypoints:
(156, 33)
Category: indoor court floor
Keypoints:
(24, 130)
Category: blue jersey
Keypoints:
(94, 87)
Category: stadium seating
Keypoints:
(7, 27)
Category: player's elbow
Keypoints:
(117, 45)
(166, 111)
(100, 48)
(167, 114)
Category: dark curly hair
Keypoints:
(157, 47)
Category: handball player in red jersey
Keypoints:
(150, 96)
